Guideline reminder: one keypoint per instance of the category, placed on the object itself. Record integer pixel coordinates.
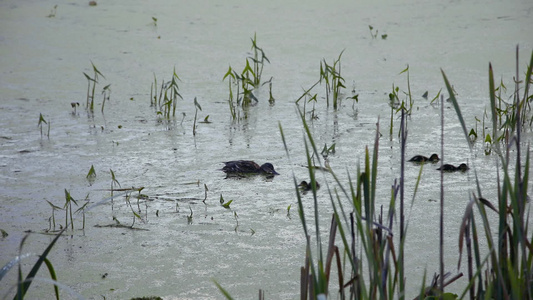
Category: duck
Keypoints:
(451, 168)
(248, 167)
(305, 187)
(421, 159)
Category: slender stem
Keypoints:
(441, 237)
(402, 217)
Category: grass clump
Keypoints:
(507, 270)
(166, 101)
(248, 80)
(334, 85)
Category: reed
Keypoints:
(506, 270)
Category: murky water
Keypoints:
(255, 244)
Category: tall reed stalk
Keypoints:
(506, 271)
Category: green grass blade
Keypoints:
(222, 290)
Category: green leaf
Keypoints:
(223, 291)
(226, 205)
(54, 206)
(197, 104)
(92, 173)
(473, 133)
(229, 73)
(405, 70)
(41, 120)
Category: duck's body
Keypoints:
(422, 159)
(248, 167)
(451, 168)
(447, 168)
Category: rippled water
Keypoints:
(255, 244)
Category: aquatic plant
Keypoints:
(334, 83)
(506, 271)
(258, 61)
(40, 124)
(231, 80)
(167, 100)
(23, 284)
(198, 107)
(68, 208)
(106, 93)
(91, 175)
(307, 96)
(271, 99)
(247, 81)
(52, 219)
(247, 85)
(74, 105)
(328, 150)
(400, 105)
(94, 81)
(331, 74)
(82, 211)
(374, 34)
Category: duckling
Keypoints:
(422, 159)
(447, 168)
(248, 167)
(304, 186)
(463, 167)
(451, 168)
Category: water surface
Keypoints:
(255, 244)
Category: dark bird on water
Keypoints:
(305, 187)
(420, 158)
(248, 167)
(452, 168)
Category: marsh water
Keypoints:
(186, 239)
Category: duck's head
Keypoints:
(463, 167)
(434, 157)
(268, 168)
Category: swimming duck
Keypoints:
(420, 158)
(248, 167)
(451, 168)
(305, 187)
